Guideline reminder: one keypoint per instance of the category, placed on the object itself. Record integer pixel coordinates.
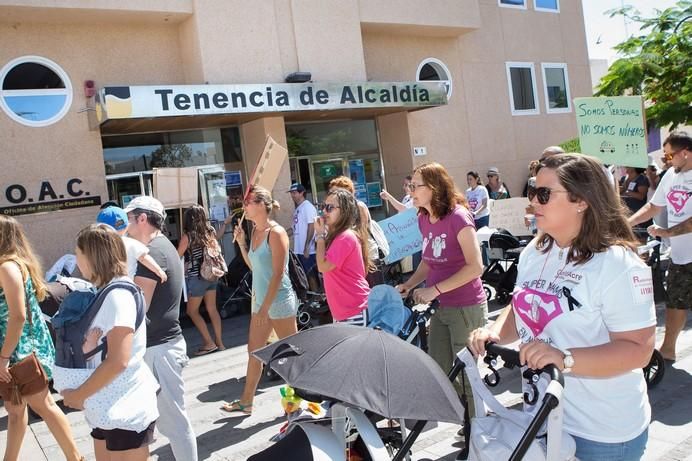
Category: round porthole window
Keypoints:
(34, 91)
(434, 70)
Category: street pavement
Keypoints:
(221, 436)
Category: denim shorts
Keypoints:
(632, 450)
(197, 286)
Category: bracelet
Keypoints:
(437, 289)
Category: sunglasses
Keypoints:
(412, 186)
(667, 157)
(542, 194)
(328, 207)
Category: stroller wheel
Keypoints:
(654, 371)
(488, 293)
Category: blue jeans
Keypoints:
(481, 222)
(632, 450)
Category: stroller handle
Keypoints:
(511, 356)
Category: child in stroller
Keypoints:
(501, 273)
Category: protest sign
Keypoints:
(176, 187)
(509, 214)
(268, 165)
(403, 235)
(613, 129)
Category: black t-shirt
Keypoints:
(163, 324)
(632, 186)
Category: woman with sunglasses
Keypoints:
(584, 302)
(274, 303)
(451, 265)
(342, 258)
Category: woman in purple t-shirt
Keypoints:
(451, 265)
(342, 257)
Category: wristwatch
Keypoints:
(568, 361)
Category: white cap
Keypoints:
(148, 203)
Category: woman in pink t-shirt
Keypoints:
(451, 266)
(342, 258)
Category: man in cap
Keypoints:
(303, 227)
(136, 251)
(166, 349)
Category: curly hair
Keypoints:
(445, 195)
(196, 226)
(605, 219)
(342, 182)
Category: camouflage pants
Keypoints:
(679, 289)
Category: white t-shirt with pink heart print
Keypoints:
(673, 192)
(571, 306)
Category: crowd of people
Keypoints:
(583, 299)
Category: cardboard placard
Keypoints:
(509, 214)
(268, 166)
(176, 187)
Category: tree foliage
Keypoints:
(656, 64)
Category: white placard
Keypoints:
(509, 214)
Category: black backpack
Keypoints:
(296, 273)
(70, 334)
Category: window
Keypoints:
(34, 91)
(522, 88)
(552, 6)
(434, 70)
(521, 4)
(556, 84)
(177, 149)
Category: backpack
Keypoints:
(296, 273)
(76, 314)
(213, 265)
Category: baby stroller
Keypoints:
(313, 311)
(501, 273)
(235, 289)
(387, 311)
(500, 433)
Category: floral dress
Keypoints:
(35, 336)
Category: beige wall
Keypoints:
(233, 41)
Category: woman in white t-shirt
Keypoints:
(478, 197)
(117, 392)
(584, 302)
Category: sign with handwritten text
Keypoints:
(403, 235)
(509, 214)
(613, 129)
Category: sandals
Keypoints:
(208, 350)
(236, 406)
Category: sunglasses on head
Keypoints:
(542, 194)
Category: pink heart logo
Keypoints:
(677, 199)
(536, 309)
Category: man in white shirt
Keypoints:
(673, 195)
(303, 227)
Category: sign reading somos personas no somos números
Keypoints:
(403, 235)
(613, 129)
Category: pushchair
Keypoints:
(500, 433)
(501, 273)
(404, 318)
(235, 289)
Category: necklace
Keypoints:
(536, 301)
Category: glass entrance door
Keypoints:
(324, 171)
(124, 187)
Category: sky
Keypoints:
(611, 31)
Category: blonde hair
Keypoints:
(14, 246)
(264, 197)
(105, 251)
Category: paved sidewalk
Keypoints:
(218, 376)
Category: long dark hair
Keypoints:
(349, 218)
(605, 219)
(196, 226)
(445, 195)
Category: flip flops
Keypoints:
(203, 351)
(236, 406)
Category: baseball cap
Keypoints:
(296, 187)
(148, 203)
(493, 170)
(114, 216)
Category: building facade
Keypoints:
(98, 96)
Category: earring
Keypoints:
(579, 210)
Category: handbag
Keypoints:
(28, 375)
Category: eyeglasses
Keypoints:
(328, 207)
(541, 193)
(412, 186)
